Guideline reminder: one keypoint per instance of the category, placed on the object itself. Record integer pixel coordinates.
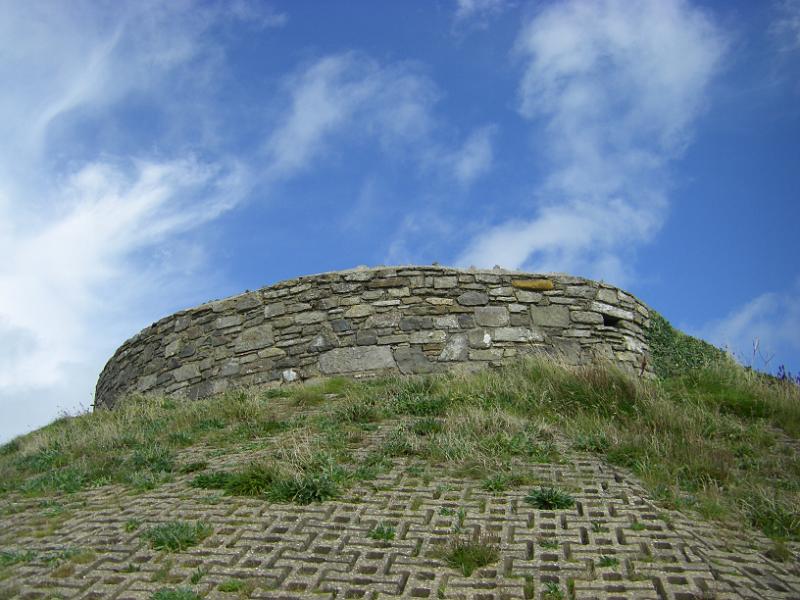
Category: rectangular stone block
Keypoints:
(550, 316)
(355, 359)
(517, 334)
(491, 316)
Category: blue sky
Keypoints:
(157, 155)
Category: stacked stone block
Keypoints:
(367, 322)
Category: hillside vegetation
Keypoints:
(706, 434)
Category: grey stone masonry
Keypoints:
(368, 322)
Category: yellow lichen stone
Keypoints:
(533, 284)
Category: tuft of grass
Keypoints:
(132, 525)
(236, 585)
(608, 561)
(548, 498)
(552, 591)
(426, 426)
(198, 574)
(382, 532)
(548, 543)
(303, 489)
(466, 556)
(180, 593)
(13, 557)
(176, 536)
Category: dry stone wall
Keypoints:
(367, 322)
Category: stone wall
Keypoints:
(367, 322)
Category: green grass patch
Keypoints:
(176, 536)
(382, 532)
(465, 556)
(180, 593)
(548, 498)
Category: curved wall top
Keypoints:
(366, 322)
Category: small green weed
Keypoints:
(548, 543)
(467, 555)
(382, 532)
(608, 561)
(12, 557)
(181, 593)
(198, 574)
(548, 498)
(177, 535)
(132, 525)
(235, 585)
(552, 591)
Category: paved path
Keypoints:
(323, 551)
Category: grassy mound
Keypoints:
(708, 435)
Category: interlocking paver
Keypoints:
(614, 543)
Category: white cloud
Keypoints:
(478, 11)
(353, 99)
(475, 157)
(349, 92)
(770, 321)
(615, 87)
(786, 24)
(91, 241)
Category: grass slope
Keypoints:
(706, 435)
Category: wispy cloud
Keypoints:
(615, 87)
(786, 24)
(475, 157)
(478, 12)
(352, 94)
(92, 235)
(770, 323)
(351, 98)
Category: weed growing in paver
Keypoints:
(637, 526)
(548, 543)
(180, 593)
(12, 557)
(383, 532)
(177, 535)
(198, 574)
(599, 527)
(467, 555)
(132, 525)
(304, 489)
(235, 585)
(552, 591)
(499, 482)
(528, 589)
(548, 498)
(161, 575)
(608, 561)
(131, 568)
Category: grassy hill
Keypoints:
(706, 436)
